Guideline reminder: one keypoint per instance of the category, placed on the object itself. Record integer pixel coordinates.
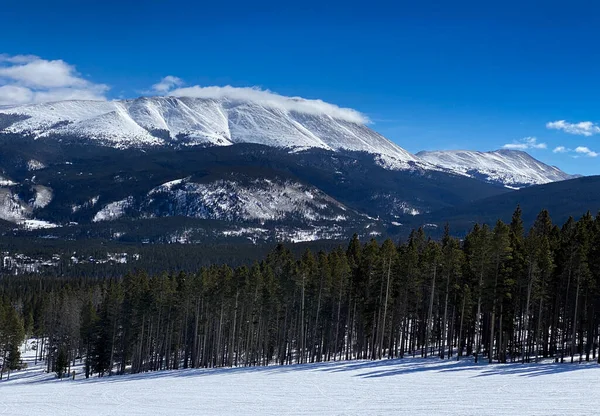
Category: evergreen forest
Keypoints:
(500, 294)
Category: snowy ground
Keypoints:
(390, 387)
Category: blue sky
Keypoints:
(441, 75)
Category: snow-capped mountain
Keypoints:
(159, 121)
(272, 120)
(255, 165)
(511, 168)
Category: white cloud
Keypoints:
(14, 95)
(525, 143)
(43, 74)
(578, 151)
(59, 94)
(560, 149)
(583, 128)
(273, 100)
(17, 59)
(30, 79)
(585, 151)
(167, 84)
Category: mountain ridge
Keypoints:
(572, 197)
(287, 122)
(186, 121)
(214, 168)
(512, 168)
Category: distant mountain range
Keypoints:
(167, 169)
(512, 168)
(562, 200)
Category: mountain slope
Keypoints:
(95, 190)
(281, 122)
(195, 169)
(511, 168)
(572, 197)
(155, 121)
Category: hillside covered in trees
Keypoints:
(503, 294)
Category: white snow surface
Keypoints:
(15, 210)
(89, 203)
(12, 208)
(512, 168)
(411, 386)
(43, 196)
(35, 165)
(150, 121)
(6, 182)
(225, 116)
(37, 224)
(113, 210)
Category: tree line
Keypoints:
(501, 294)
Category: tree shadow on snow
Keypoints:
(362, 369)
(481, 369)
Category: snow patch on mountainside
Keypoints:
(511, 168)
(261, 199)
(12, 208)
(394, 163)
(88, 204)
(37, 225)
(6, 182)
(113, 210)
(35, 165)
(43, 196)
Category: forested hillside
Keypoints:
(503, 294)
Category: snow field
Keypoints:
(411, 386)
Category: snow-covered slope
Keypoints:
(12, 208)
(428, 387)
(256, 200)
(151, 121)
(511, 168)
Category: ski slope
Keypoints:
(391, 387)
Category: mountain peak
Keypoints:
(223, 116)
(206, 116)
(269, 99)
(511, 168)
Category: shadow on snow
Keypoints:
(363, 369)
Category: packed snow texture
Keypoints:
(411, 386)
(210, 119)
(512, 168)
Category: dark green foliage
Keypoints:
(12, 335)
(79, 172)
(501, 294)
(62, 363)
(563, 199)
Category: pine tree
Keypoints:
(477, 247)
